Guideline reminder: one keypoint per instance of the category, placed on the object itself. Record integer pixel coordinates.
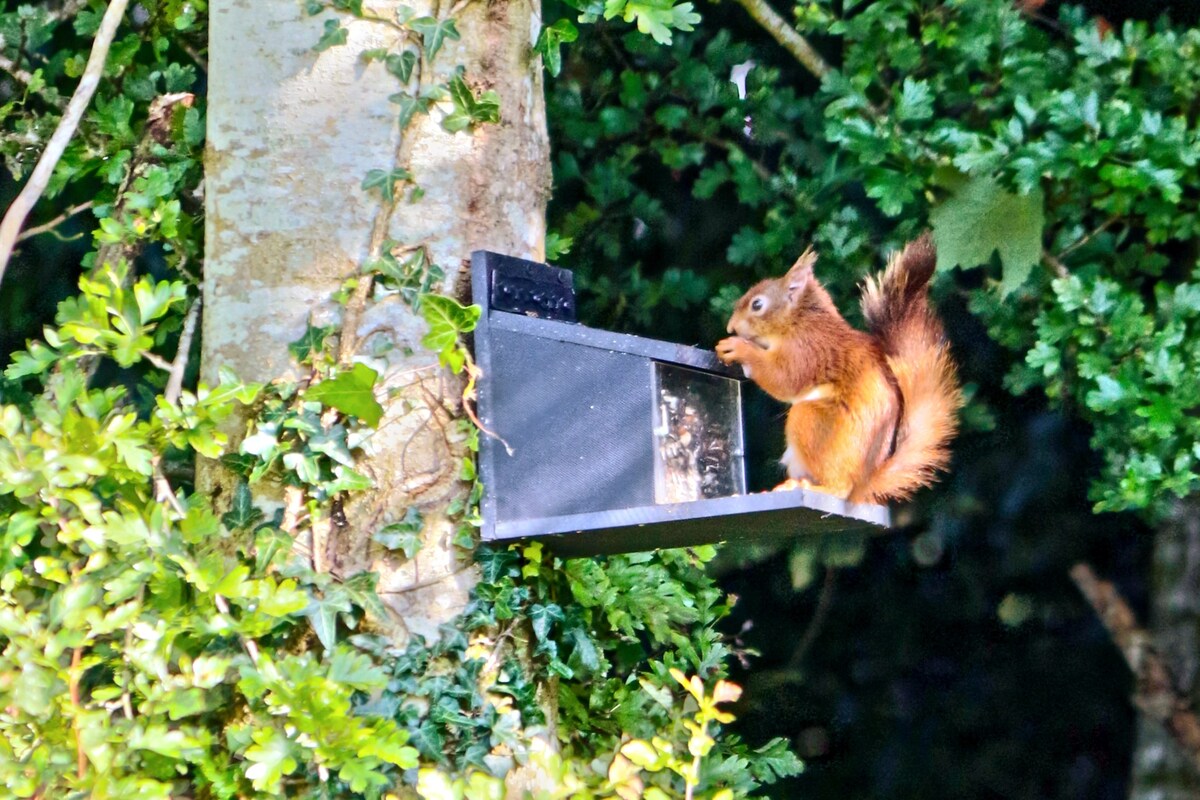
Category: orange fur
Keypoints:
(872, 413)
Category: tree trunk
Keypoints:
(292, 134)
(1160, 770)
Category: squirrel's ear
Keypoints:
(800, 274)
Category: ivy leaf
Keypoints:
(495, 564)
(351, 393)
(322, 613)
(980, 217)
(401, 65)
(269, 544)
(543, 617)
(333, 36)
(470, 110)
(404, 535)
(447, 319)
(551, 39)
(409, 107)
(242, 512)
(586, 653)
(385, 181)
(434, 32)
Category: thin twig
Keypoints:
(412, 587)
(15, 217)
(163, 492)
(248, 643)
(69, 9)
(10, 66)
(787, 36)
(1060, 269)
(77, 705)
(1088, 236)
(178, 367)
(824, 603)
(1155, 693)
(54, 223)
(200, 60)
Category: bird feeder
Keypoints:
(601, 442)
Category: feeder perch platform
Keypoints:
(607, 443)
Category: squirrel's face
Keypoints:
(768, 310)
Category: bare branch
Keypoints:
(787, 36)
(10, 66)
(1155, 692)
(14, 218)
(29, 233)
(69, 9)
(249, 644)
(824, 603)
(179, 365)
(1087, 237)
(1060, 269)
(77, 708)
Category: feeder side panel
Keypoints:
(579, 422)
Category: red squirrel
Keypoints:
(871, 413)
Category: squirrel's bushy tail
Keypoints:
(897, 312)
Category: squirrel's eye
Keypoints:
(758, 304)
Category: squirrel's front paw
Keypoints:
(732, 349)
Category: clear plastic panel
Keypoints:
(697, 436)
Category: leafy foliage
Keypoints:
(1060, 147)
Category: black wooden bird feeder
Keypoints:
(606, 442)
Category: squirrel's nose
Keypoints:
(729, 327)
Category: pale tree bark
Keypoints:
(1161, 769)
(292, 134)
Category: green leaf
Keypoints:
(242, 512)
(914, 101)
(385, 181)
(410, 106)
(322, 612)
(360, 775)
(980, 217)
(655, 17)
(434, 32)
(470, 110)
(1108, 395)
(774, 761)
(311, 343)
(355, 670)
(271, 758)
(557, 245)
(551, 38)
(542, 618)
(351, 393)
(404, 535)
(333, 36)
(401, 65)
(447, 319)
